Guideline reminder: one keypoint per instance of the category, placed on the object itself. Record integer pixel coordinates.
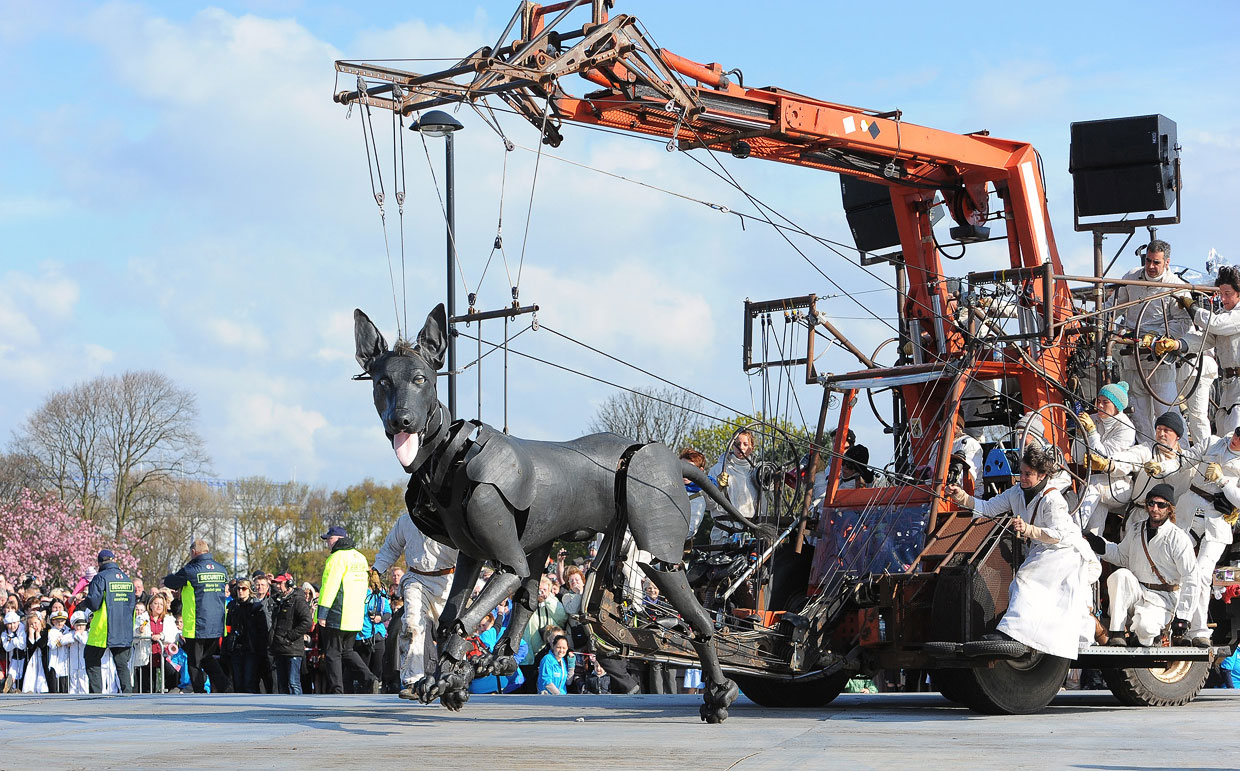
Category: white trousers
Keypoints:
(1100, 495)
(1229, 399)
(1197, 412)
(1202, 580)
(425, 597)
(1145, 408)
(1136, 609)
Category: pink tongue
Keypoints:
(406, 447)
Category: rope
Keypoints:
(530, 210)
(368, 140)
(398, 137)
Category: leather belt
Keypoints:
(1162, 587)
(433, 573)
(1209, 496)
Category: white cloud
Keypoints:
(236, 334)
(337, 336)
(267, 431)
(630, 305)
(97, 355)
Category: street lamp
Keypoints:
(438, 123)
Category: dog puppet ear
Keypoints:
(433, 339)
(368, 338)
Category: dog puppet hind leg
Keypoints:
(719, 692)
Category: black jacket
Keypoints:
(291, 619)
(238, 641)
(258, 615)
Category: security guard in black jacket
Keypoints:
(202, 583)
(111, 598)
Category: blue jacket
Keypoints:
(111, 597)
(204, 585)
(553, 671)
(375, 603)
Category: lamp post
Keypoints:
(438, 123)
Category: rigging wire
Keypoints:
(374, 168)
(398, 137)
(542, 133)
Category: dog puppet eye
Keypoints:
(386, 383)
(419, 380)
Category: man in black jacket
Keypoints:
(291, 621)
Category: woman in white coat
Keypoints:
(1048, 609)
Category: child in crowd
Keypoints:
(59, 642)
(34, 680)
(78, 682)
(13, 638)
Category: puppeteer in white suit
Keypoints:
(1050, 596)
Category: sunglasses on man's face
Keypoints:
(1157, 504)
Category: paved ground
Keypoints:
(1083, 730)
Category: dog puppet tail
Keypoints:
(698, 477)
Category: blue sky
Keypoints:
(180, 193)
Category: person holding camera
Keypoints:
(372, 639)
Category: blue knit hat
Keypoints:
(1117, 394)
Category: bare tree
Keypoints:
(666, 415)
(267, 514)
(17, 472)
(114, 443)
(187, 509)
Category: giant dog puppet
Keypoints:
(505, 500)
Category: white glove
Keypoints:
(1214, 472)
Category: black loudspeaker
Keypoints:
(867, 207)
(1123, 165)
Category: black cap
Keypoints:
(1173, 420)
(331, 531)
(1162, 490)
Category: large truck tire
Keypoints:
(792, 694)
(948, 683)
(1173, 686)
(1016, 687)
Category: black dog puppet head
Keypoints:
(404, 382)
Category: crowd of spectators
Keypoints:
(272, 645)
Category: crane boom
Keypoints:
(644, 89)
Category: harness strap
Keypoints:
(1145, 546)
(611, 544)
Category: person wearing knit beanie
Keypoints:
(1117, 394)
(1141, 607)
(1173, 420)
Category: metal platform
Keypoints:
(1110, 656)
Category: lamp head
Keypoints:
(436, 123)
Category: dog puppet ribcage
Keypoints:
(504, 500)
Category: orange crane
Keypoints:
(846, 619)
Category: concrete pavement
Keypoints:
(1087, 730)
